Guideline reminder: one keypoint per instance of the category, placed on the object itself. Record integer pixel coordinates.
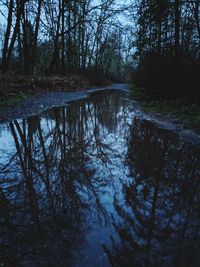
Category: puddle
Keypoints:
(92, 184)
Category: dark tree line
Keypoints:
(168, 47)
(59, 36)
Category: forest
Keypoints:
(154, 44)
(168, 43)
(59, 37)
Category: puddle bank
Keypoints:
(37, 104)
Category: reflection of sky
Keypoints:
(6, 143)
(7, 146)
(5, 137)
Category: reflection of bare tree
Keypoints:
(49, 182)
(160, 219)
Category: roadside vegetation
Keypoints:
(17, 87)
(167, 59)
(179, 111)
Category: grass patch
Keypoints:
(188, 114)
(12, 100)
(13, 88)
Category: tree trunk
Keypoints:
(177, 29)
(55, 58)
(26, 43)
(69, 46)
(37, 25)
(63, 39)
(20, 7)
(7, 35)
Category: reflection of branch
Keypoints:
(28, 178)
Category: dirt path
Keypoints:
(38, 104)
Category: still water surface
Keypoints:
(92, 184)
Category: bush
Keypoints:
(164, 77)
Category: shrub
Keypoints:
(164, 77)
